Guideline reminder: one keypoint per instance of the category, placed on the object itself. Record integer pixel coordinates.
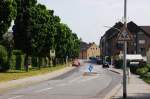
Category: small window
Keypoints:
(141, 41)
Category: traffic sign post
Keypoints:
(124, 36)
(52, 56)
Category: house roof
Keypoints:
(146, 29)
(132, 27)
(85, 46)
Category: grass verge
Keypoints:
(17, 74)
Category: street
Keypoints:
(76, 84)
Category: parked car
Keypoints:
(99, 61)
(76, 63)
(92, 58)
(105, 65)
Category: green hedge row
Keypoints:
(17, 60)
(3, 59)
(14, 61)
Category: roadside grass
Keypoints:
(18, 74)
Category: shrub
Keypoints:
(119, 63)
(34, 61)
(17, 60)
(147, 75)
(108, 59)
(3, 59)
(142, 71)
(12, 62)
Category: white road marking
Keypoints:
(15, 97)
(44, 89)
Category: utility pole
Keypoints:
(125, 52)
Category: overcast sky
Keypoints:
(87, 18)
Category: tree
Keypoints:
(43, 31)
(23, 27)
(60, 40)
(76, 46)
(7, 14)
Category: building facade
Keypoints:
(88, 50)
(139, 44)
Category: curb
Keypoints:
(113, 92)
(115, 71)
(19, 83)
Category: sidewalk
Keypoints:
(32, 80)
(136, 89)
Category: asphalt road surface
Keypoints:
(76, 84)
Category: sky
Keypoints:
(87, 18)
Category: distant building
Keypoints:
(139, 44)
(88, 50)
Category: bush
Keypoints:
(12, 62)
(17, 60)
(3, 59)
(34, 61)
(119, 63)
(142, 71)
(108, 59)
(147, 75)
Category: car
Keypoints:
(105, 65)
(92, 58)
(76, 63)
(99, 61)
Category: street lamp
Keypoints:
(124, 34)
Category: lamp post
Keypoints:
(124, 54)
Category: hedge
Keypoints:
(4, 66)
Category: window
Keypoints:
(141, 41)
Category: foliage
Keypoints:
(7, 14)
(23, 25)
(3, 59)
(119, 63)
(17, 60)
(67, 43)
(142, 70)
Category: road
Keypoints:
(76, 84)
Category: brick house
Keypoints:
(139, 44)
(88, 50)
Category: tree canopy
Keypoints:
(7, 14)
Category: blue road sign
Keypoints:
(90, 68)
